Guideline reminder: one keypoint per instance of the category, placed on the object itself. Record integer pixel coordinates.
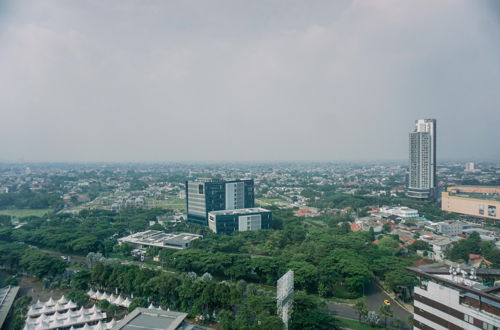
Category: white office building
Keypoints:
(455, 301)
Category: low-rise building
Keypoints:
(228, 221)
(449, 228)
(440, 246)
(155, 238)
(485, 234)
(401, 211)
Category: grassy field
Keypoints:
(315, 223)
(268, 201)
(352, 324)
(173, 202)
(20, 213)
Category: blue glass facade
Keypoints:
(203, 196)
(227, 222)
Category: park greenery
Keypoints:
(474, 245)
(227, 279)
(26, 199)
(239, 290)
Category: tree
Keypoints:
(305, 275)
(138, 302)
(103, 304)
(361, 309)
(308, 314)
(400, 278)
(420, 245)
(373, 318)
(371, 234)
(410, 320)
(112, 309)
(79, 297)
(463, 248)
(386, 311)
(388, 246)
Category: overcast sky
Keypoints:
(246, 80)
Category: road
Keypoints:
(374, 298)
(374, 295)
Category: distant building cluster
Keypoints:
(225, 206)
(160, 239)
(307, 212)
(128, 202)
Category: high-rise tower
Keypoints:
(422, 172)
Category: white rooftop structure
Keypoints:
(112, 299)
(160, 239)
(400, 211)
(64, 314)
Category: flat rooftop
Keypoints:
(156, 319)
(161, 239)
(7, 297)
(473, 288)
(239, 211)
(491, 193)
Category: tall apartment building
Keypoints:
(205, 195)
(453, 299)
(470, 167)
(422, 171)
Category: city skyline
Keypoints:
(238, 81)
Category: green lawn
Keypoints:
(352, 324)
(315, 223)
(173, 202)
(268, 201)
(20, 213)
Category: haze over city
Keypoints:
(246, 80)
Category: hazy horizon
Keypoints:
(185, 81)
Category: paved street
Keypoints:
(374, 298)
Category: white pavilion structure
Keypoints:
(64, 314)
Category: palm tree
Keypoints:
(361, 309)
(386, 311)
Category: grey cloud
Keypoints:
(239, 80)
